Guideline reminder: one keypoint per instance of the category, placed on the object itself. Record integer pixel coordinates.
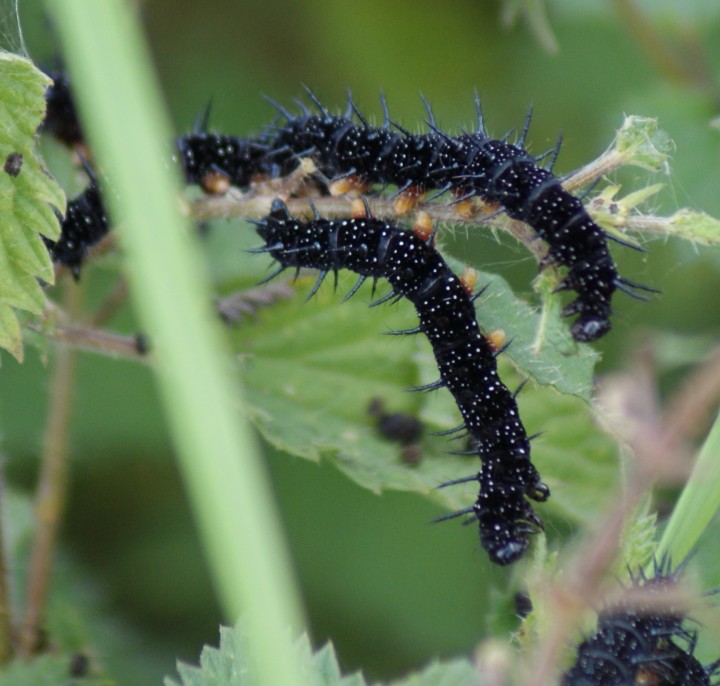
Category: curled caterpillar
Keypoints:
(466, 360)
(468, 165)
(642, 642)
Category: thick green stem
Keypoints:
(217, 451)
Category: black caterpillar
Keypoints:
(212, 160)
(471, 164)
(86, 221)
(638, 643)
(465, 358)
(84, 225)
(61, 118)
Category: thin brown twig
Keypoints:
(115, 299)
(235, 307)
(256, 204)
(59, 326)
(96, 341)
(50, 498)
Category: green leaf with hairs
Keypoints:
(29, 198)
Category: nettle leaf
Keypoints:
(312, 369)
(229, 665)
(28, 196)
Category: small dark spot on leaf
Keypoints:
(396, 426)
(13, 163)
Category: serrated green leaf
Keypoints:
(454, 673)
(229, 665)
(10, 337)
(27, 198)
(311, 371)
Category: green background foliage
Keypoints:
(388, 589)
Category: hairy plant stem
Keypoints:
(255, 204)
(97, 341)
(50, 497)
(117, 297)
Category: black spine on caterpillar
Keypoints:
(472, 164)
(84, 225)
(466, 360)
(640, 642)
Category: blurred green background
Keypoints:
(390, 590)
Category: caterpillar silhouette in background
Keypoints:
(642, 640)
(466, 359)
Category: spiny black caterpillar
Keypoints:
(642, 642)
(85, 222)
(216, 161)
(465, 358)
(84, 225)
(471, 164)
